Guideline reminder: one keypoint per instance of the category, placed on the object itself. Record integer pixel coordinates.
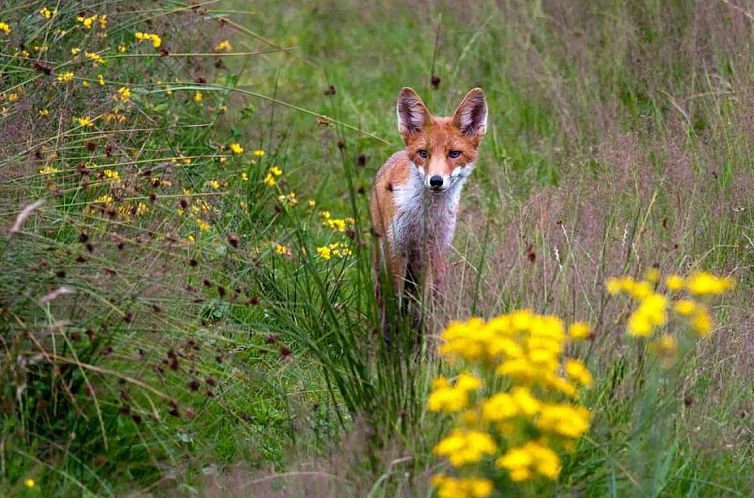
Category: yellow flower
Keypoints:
(111, 174)
(67, 76)
(203, 225)
(703, 283)
(244, 176)
(87, 21)
(29, 483)
(258, 153)
(155, 39)
(463, 487)
(236, 148)
(198, 97)
(124, 93)
(75, 50)
(223, 46)
(281, 249)
(5, 28)
(311, 203)
(141, 209)
(564, 419)
(462, 446)
(46, 13)
(104, 199)
(685, 307)
(531, 460)
(85, 84)
(576, 370)
(579, 330)
(674, 282)
(122, 48)
(651, 313)
(96, 58)
(43, 113)
(85, 121)
(288, 199)
(102, 21)
(48, 170)
(325, 253)
(100, 80)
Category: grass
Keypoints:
(205, 347)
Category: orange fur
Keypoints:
(416, 192)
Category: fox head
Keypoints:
(443, 149)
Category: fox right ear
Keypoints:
(413, 115)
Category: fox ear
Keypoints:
(413, 115)
(471, 114)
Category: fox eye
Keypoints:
(423, 153)
(454, 154)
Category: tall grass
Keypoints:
(175, 330)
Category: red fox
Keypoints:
(416, 192)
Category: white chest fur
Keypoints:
(425, 220)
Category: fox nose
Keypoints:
(435, 181)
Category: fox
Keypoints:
(416, 193)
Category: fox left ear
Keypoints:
(471, 114)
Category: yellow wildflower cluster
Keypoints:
(336, 224)
(336, 249)
(155, 39)
(124, 93)
(654, 306)
(522, 427)
(65, 77)
(289, 199)
(281, 249)
(47, 13)
(96, 58)
(471, 487)
(48, 170)
(236, 148)
(88, 22)
(5, 28)
(85, 121)
(272, 174)
(223, 46)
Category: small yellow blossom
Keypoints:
(85, 121)
(579, 330)
(311, 203)
(463, 487)
(46, 13)
(281, 249)
(43, 113)
(141, 209)
(213, 184)
(576, 370)
(102, 21)
(96, 58)
(67, 76)
(100, 80)
(529, 461)
(5, 28)
(674, 282)
(223, 46)
(703, 284)
(49, 170)
(463, 446)
(85, 84)
(75, 50)
(198, 97)
(244, 176)
(155, 39)
(124, 93)
(87, 21)
(122, 48)
(288, 200)
(111, 174)
(258, 153)
(203, 225)
(30, 483)
(236, 148)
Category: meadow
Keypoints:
(186, 287)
